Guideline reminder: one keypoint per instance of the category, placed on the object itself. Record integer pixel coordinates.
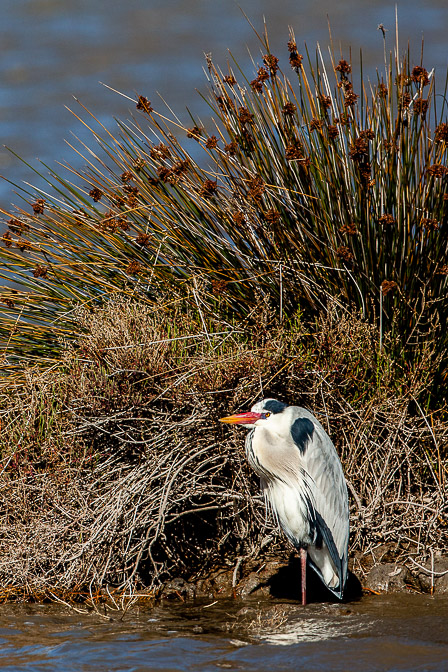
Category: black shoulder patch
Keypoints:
(301, 431)
(274, 406)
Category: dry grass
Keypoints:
(116, 475)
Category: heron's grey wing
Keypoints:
(327, 490)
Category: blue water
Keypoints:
(401, 632)
(52, 50)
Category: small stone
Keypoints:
(389, 578)
(178, 589)
(440, 583)
(258, 582)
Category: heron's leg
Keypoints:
(303, 555)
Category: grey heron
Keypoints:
(301, 478)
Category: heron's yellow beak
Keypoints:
(241, 418)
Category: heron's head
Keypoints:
(260, 414)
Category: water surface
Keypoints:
(52, 50)
(395, 632)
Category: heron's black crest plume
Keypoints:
(274, 406)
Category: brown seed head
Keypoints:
(388, 286)
(344, 253)
(230, 80)
(129, 189)
(211, 142)
(295, 60)
(133, 268)
(117, 200)
(351, 229)
(138, 164)
(256, 188)
(7, 239)
(225, 103)
(246, 140)
(271, 62)
(231, 148)
(325, 101)
(294, 152)
(350, 99)
(109, 222)
(164, 173)
(143, 239)
(194, 132)
(390, 146)
(420, 75)
(333, 132)
(437, 170)
(383, 90)
(343, 67)
(38, 206)
(387, 220)
(160, 151)
(8, 302)
(96, 194)
(245, 116)
(40, 271)
(272, 217)
(17, 226)
(180, 167)
(368, 134)
(443, 270)
(430, 224)
(421, 107)
(123, 224)
(315, 124)
(23, 244)
(441, 133)
(344, 120)
(359, 149)
(263, 74)
(289, 109)
(144, 104)
(257, 85)
(208, 188)
(406, 99)
(126, 176)
(238, 218)
(403, 80)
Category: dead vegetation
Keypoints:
(115, 474)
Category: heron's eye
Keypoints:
(267, 414)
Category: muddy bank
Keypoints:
(280, 579)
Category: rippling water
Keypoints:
(52, 50)
(399, 632)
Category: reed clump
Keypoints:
(311, 187)
(295, 248)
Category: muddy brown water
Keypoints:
(387, 632)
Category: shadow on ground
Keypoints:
(285, 584)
